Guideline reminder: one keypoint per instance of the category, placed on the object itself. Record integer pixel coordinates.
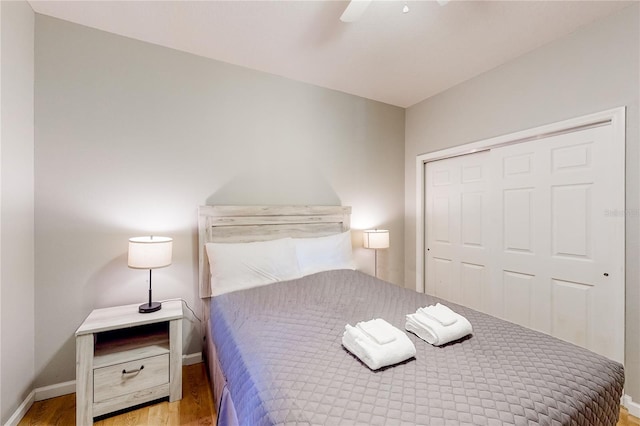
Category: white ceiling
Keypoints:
(387, 56)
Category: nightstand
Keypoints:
(125, 358)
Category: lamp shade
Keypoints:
(150, 252)
(376, 238)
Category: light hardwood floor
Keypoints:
(195, 408)
(627, 419)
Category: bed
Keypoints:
(274, 351)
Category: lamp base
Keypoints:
(146, 308)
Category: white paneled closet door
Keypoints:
(527, 235)
(456, 218)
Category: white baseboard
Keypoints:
(59, 389)
(21, 411)
(52, 391)
(192, 358)
(633, 407)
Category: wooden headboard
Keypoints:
(241, 224)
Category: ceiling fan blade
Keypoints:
(355, 9)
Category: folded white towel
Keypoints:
(378, 330)
(374, 354)
(440, 313)
(433, 332)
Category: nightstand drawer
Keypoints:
(121, 379)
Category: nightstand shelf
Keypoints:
(125, 358)
(138, 342)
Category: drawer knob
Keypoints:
(137, 370)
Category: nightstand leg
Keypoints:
(84, 380)
(175, 360)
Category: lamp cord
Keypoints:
(185, 303)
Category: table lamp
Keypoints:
(376, 239)
(150, 253)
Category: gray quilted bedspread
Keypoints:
(280, 349)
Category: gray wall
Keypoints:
(594, 69)
(16, 211)
(131, 138)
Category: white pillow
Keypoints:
(324, 253)
(238, 266)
